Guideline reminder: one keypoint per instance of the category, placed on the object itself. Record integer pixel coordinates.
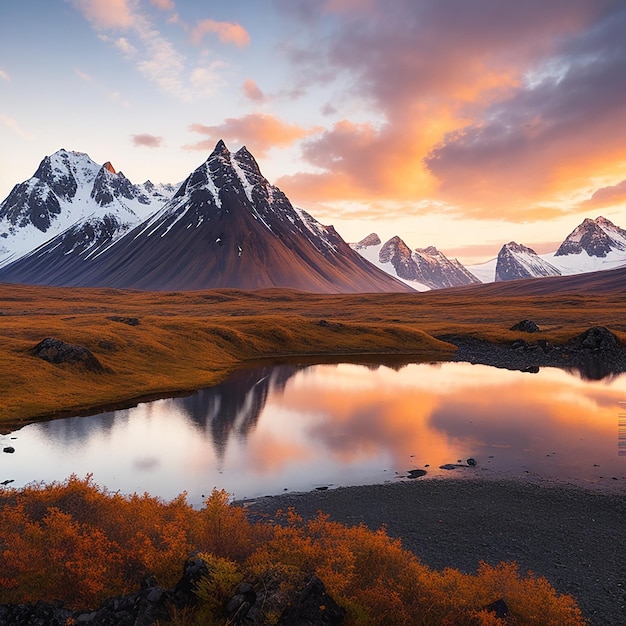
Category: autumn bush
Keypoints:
(79, 543)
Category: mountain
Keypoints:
(516, 261)
(226, 226)
(422, 268)
(597, 238)
(70, 191)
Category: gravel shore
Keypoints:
(573, 537)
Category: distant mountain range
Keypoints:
(593, 245)
(77, 223)
(225, 226)
(422, 268)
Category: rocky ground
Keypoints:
(595, 354)
(573, 537)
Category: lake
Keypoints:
(298, 428)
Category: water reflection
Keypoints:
(295, 427)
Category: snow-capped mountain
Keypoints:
(70, 191)
(597, 238)
(592, 246)
(516, 261)
(226, 226)
(422, 268)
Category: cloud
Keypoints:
(260, 132)
(11, 124)
(157, 58)
(495, 106)
(252, 91)
(147, 141)
(607, 196)
(164, 5)
(125, 47)
(4, 75)
(88, 78)
(227, 32)
(105, 13)
(206, 80)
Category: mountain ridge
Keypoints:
(226, 226)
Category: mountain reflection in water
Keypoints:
(298, 427)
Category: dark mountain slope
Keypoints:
(225, 227)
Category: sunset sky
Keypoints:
(457, 123)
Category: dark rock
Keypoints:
(149, 606)
(416, 473)
(323, 323)
(499, 608)
(312, 607)
(526, 326)
(130, 321)
(8, 449)
(59, 352)
(519, 344)
(595, 338)
(471, 462)
(448, 466)
(530, 369)
(8, 481)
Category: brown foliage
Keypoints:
(78, 543)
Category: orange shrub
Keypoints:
(80, 544)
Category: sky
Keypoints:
(463, 124)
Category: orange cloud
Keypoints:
(252, 91)
(227, 32)
(507, 117)
(106, 13)
(147, 141)
(260, 132)
(607, 196)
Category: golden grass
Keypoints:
(188, 340)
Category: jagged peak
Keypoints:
(245, 158)
(108, 166)
(370, 240)
(220, 150)
(430, 250)
(513, 246)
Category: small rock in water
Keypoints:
(321, 488)
(416, 473)
(8, 481)
(471, 462)
(8, 449)
(448, 466)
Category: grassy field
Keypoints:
(188, 340)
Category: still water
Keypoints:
(297, 428)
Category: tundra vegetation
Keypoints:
(80, 544)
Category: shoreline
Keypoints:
(572, 536)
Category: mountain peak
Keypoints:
(371, 240)
(596, 237)
(244, 157)
(109, 166)
(516, 261)
(220, 150)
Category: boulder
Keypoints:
(312, 606)
(595, 338)
(59, 352)
(129, 321)
(526, 326)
